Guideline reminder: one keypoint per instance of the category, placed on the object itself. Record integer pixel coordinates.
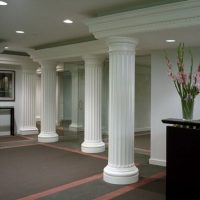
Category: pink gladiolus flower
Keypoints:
(186, 84)
(181, 77)
(197, 85)
(197, 80)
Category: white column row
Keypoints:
(121, 168)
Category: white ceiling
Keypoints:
(42, 22)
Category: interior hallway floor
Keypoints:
(31, 170)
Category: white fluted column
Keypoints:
(121, 168)
(48, 103)
(93, 79)
(74, 126)
(28, 123)
(38, 94)
(59, 93)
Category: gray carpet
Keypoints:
(31, 169)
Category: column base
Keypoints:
(28, 131)
(75, 127)
(120, 176)
(90, 147)
(47, 137)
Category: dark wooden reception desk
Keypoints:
(12, 126)
(183, 159)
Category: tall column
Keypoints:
(74, 126)
(38, 94)
(48, 103)
(28, 121)
(59, 93)
(121, 168)
(93, 79)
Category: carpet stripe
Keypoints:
(21, 139)
(62, 187)
(27, 137)
(133, 186)
(16, 146)
(79, 152)
(76, 151)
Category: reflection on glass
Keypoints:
(6, 85)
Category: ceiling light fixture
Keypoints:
(68, 21)
(3, 3)
(5, 47)
(170, 41)
(20, 32)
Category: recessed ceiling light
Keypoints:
(68, 21)
(3, 3)
(170, 40)
(5, 47)
(19, 31)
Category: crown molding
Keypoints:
(17, 60)
(67, 52)
(162, 17)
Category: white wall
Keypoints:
(81, 96)
(142, 98)
(165, 102)
(38, 97)
(67, 95)
(5, 119)
(59, 98)
(105, 97)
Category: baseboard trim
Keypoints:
(28, 131)
(4, 133)
(142, 151)
(159, 162)
(142, 129)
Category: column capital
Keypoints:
(60, 67)
(118, 43)
(38, 71)
(47, 63)
(93, 59)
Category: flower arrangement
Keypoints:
(187, 84)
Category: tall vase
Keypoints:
(187, 108)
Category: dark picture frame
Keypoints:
(7, 85)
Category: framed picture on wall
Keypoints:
(7, 85)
